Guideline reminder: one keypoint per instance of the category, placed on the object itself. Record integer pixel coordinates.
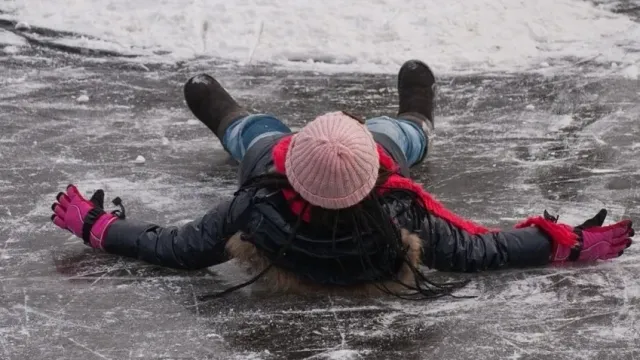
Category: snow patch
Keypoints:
(333, 310)
(140, 160)
(631, 72)
(343, 355)
(561, 122)
(11, 50)
(64, 160)
(453, 36)
(603, 171)
(253, 355)
(201, 79)
(9, 38)
(22, 26)
(82, 99)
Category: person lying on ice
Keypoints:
(332, 207)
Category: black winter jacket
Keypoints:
(201, 242)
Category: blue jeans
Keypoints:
(244, 132)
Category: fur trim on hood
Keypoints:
(283, 280)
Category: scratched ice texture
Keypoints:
(507, 146)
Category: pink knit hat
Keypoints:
(333, 161)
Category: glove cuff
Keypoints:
(98, 231)
(89, 220)
(560, 234)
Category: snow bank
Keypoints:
(10, 39)
(361, 35)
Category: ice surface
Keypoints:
(492, 161)
(342, 355)
(506, 147)
(360, 35)
(560, 122)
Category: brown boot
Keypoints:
(212, 104)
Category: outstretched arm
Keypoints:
(450, 248)
(195, 245)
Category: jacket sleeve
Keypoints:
(448, 248)
(195, 245)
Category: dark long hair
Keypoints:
(363, 219)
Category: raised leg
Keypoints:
(244, 132)
(412, 139)
(234, 126)
(412, 128)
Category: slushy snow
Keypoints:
(82, 99)
(9, 38)
(140, 160)
(357, 35)
(631, 72)
(22, 26)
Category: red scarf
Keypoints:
(559, 233)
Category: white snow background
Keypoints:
(455, 36)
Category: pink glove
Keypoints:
(596, 242)
(85, 218)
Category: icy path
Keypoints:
(506, 148)
(358, 35)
